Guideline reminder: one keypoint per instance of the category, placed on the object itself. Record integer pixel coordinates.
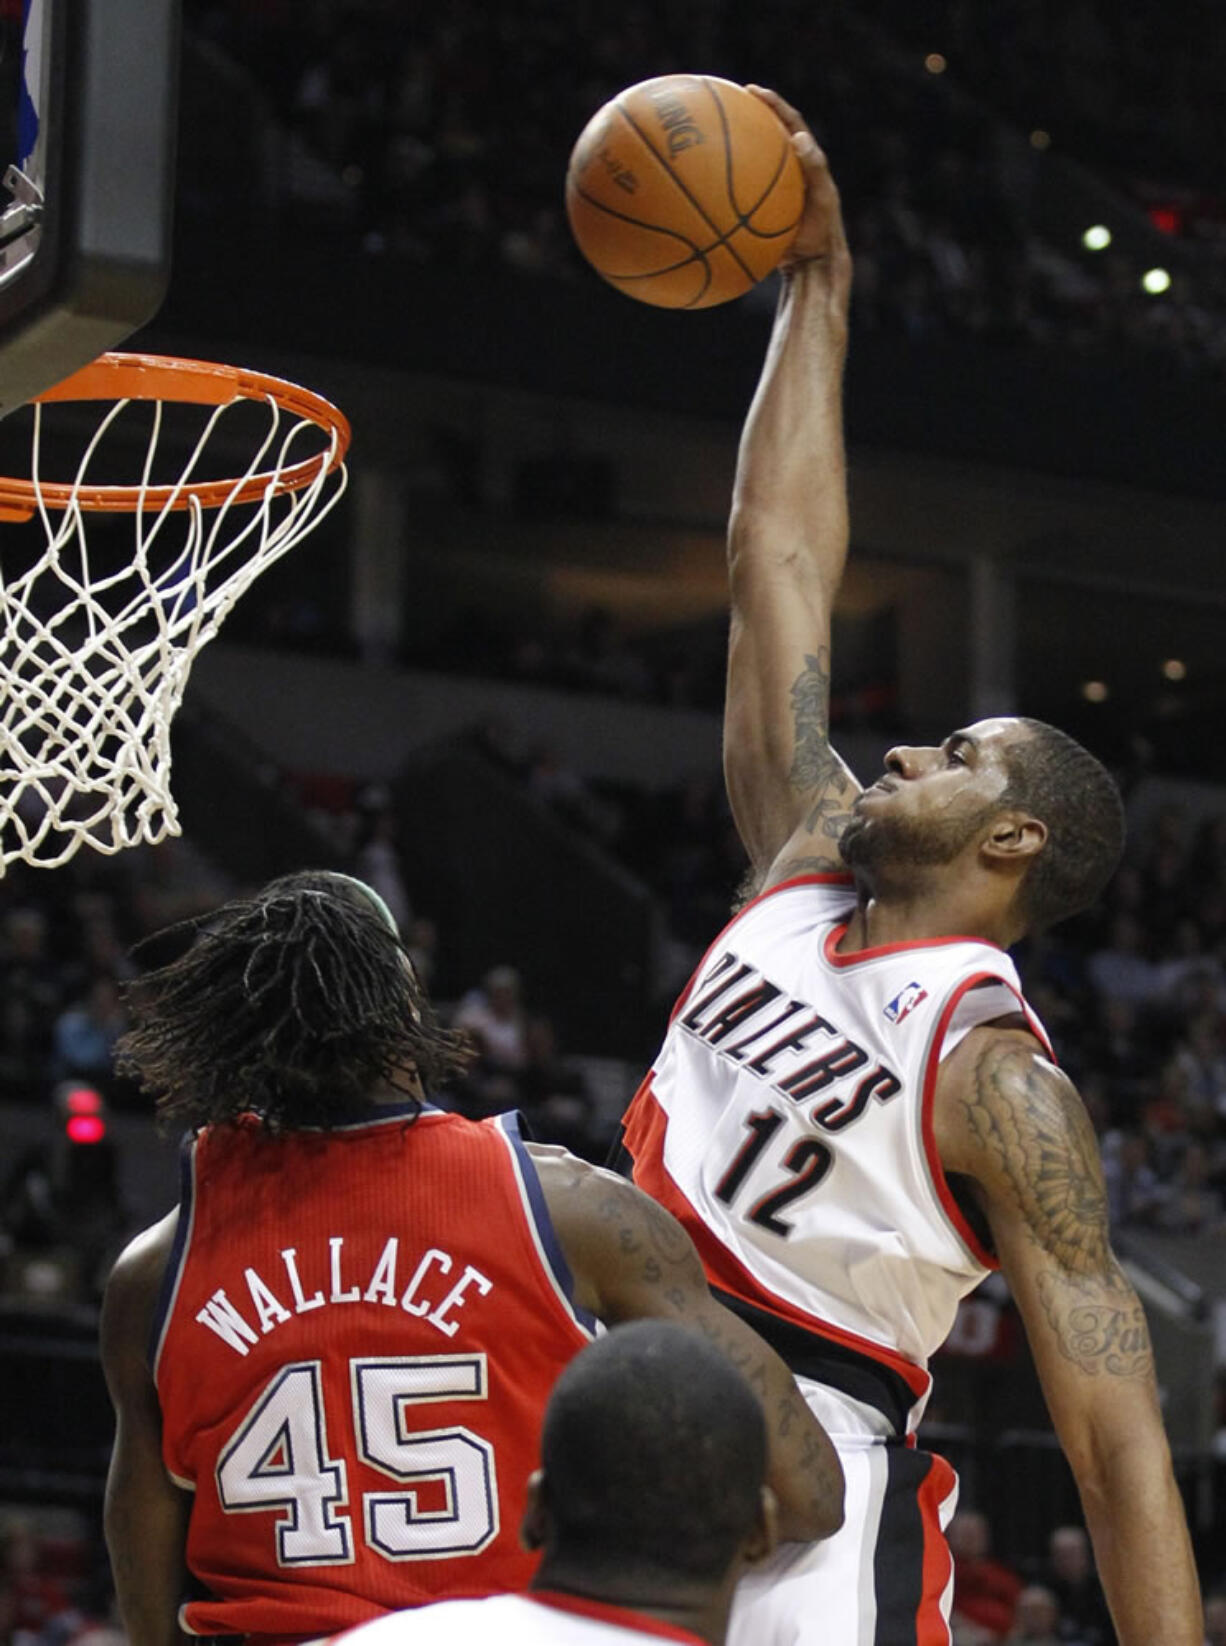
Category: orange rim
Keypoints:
(188, 382)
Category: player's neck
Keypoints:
(880, 920)
(405, 1086)
(700, 1611)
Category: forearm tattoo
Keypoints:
(816, 769)
(1028, 1117)
(668, 1261)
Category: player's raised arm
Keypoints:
(632, 1260)
(1014, 1124)
(787, 543)
(146, 1514)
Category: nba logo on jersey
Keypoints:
(905, 1001)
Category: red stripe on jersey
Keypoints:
(837, 932)
(645, 1126)
(936, 1170)
(931, 1628)
(771, 891)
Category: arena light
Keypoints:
(85, 1128)
(1156, 281)
(1095, 691)
(1097, 237)
(83, 1100)
(1175, 669)
(935, 63)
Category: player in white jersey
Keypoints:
(854, 1112)
(650, 1503)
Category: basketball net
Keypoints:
(97, 641)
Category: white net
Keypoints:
(96, 644)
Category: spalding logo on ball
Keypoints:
(684, 191)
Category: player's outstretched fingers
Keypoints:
(791, 118)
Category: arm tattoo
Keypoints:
(668, 1262)
(1029, 1119)
(816, 769)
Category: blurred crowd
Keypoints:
(1133, 89)
(1054, 1599)
(54, 1583)
(445, 133)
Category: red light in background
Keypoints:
(83, 1100)
(85, 1128)
(1167, 218)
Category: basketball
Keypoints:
(684, 191)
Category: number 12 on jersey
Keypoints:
(278, 1458)
(807, 1162)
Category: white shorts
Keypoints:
(886, 1577)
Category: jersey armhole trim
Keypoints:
(173, 1273)
(540, 1224)
(932, 1064)
(771, 891)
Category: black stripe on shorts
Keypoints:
(898, 1560)
(808, 1354)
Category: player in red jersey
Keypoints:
(854, 1111)
(329, 1363)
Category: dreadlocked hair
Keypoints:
(294, 1005)
(1064, 785)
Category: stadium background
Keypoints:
(492, 681)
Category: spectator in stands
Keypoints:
(377, 858)
(84, 1035)
(1036, 1618)
(1135, 1195)
(494, 1018)
(1188, 973)
(985, 1589)
(33, 1596)
(554, 1095)
(1121, 970)
(1069, 1575)
(421, 946)
(1192, 1205)
(1201, 1058)
(1215, 1620)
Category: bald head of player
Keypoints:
(651, 1494)
(298, 1004)
(1008, 825)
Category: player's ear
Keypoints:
(533, 1526)
(763, 1540)
(1015, 837)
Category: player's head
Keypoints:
(1014, 796)
(297, 1004)
(653, 1468)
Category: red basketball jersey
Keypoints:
(358, 1333)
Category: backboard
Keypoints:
(88, 97)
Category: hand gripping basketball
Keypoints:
(684, 191)
(819, 234)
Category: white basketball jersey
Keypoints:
(788, 1122)
(517, 1620)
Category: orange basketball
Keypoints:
(684, 191)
